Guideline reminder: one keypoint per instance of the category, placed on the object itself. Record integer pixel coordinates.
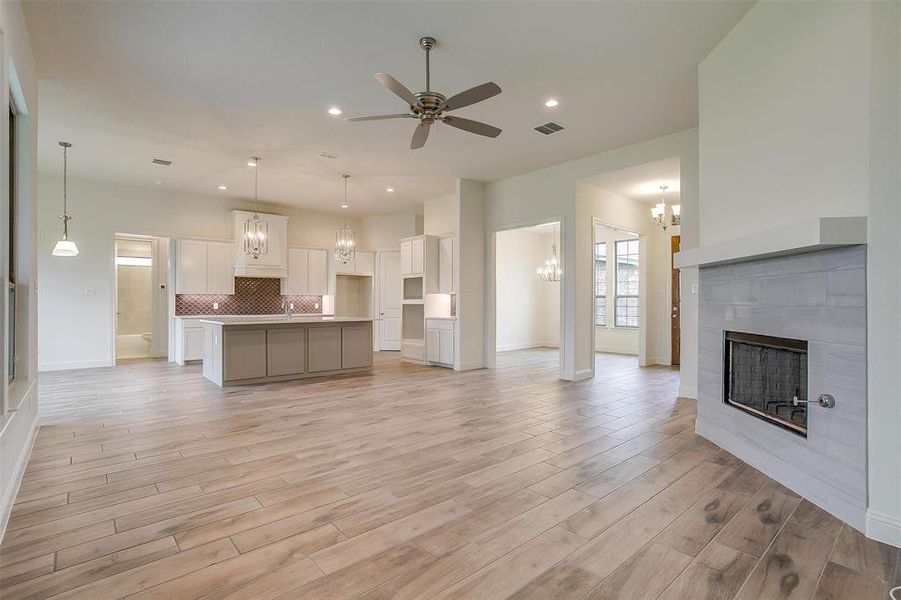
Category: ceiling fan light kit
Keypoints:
(431, 107)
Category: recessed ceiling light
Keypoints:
(389, 190)
(551, 102)
(223, 187)
(334, 111)
(343, 206)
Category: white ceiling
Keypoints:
(208, 84)
(642, 182)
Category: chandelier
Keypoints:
(65, 246)
(345, 243)
(551, 270)
(658, 212)
(256, 229)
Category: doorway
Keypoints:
(141, 319)
(528, 274)
(389, 321)
(618, 269)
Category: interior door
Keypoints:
(389, 301)
(676, 324)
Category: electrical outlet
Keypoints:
(291, 305)
(215, 306)
(316, 306)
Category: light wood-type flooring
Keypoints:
(147, 481)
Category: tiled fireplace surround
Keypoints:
(819, 297)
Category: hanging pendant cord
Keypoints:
(256, 180)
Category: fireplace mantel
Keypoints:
(807, 236)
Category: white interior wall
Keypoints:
(383, 232)
(527, 308)
(552, 194)
(442, 216)
(76, 299)
(794, 125)
(19, 402)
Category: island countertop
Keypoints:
(281, 319)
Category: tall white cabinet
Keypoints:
(419, 277)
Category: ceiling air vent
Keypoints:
(549, 128)
(160, 161)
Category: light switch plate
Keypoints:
(215, 306)
(694, 288)
(90, 291)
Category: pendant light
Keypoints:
(65, 246)
(551, 270)
(256, 229)
(658, 213)
(345, 242)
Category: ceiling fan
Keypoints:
(431, 107)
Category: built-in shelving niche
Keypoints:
(413, 322)
(353, 296)
(413, 288)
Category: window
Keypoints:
(625, 308)
(600, 284)
(11, 235)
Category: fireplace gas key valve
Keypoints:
(824, 400)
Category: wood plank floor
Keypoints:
(149, 482)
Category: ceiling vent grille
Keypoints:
(549, 128)
(160, 161)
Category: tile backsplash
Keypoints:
(253, 296)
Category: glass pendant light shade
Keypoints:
(551, 270)
(345, 238)
(65, 246)
(256, 228)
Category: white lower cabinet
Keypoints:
(439, 342)
(188, 340)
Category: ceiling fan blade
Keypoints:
(380, 117)
(472, 126)
(397, 87)
(471, 96)
(420, 136)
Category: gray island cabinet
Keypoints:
(244, 350)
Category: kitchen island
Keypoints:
(245, 350)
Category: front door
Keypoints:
(676, 320)
(389, 300)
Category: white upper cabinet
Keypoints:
(272, 264)
(363, 263)
(220, 268)
(307, 273)
(318, 273)
(191, 267)
(446, 265)
(406, 257)
(418, 252)
(204, 267)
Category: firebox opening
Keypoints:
(767, 377)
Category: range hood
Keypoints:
(273, 264)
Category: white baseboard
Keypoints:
(523, 346)
(469, 366)
(74, 364)
(6, 504)
(883, 527)
(688, 392)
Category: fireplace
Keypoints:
(767, 377)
